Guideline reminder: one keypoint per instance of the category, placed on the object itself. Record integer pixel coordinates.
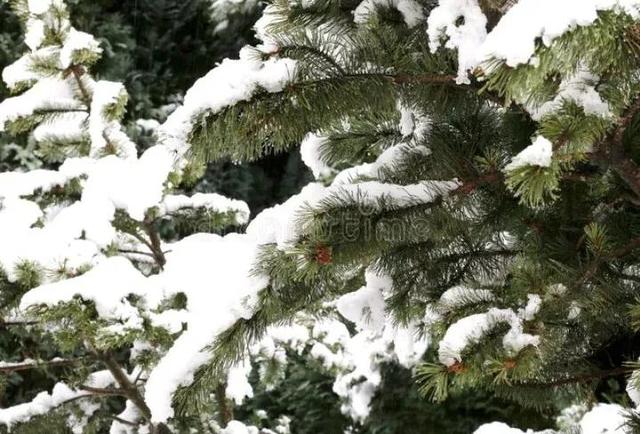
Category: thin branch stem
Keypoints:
(582, 378)
(128, 389)
(39, 364)
(17, 323)
(224, 407)
(78, 71)
(136, 252)
(155, 243)
(107, 391)
(123, 421)
(593, 268)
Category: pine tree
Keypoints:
(473, 219)
(85, 259)
(478, 157)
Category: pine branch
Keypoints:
(129, 390)
(593, 268)
(103, 391)
(471, 185)
(582, 378)
(39, 364)
(5, 324)
(422, 79)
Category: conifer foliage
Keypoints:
(476, 161)
(474, 216)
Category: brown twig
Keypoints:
(125, 422)
(104, 391)
(155, 243)
(224, 407)
(128, 389)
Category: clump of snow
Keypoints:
(211, 201)
(147, 124)
(461, 295)
(235, 427)
(605, 418)
(227, 84)
(214, 304)
(411, 10)
(601, 419)
(378, 340)
(464, 27)
(311, 153)
(385, 161)
(67, 127)
(514, 37)
(579, 89)
(413, 122)
(539, 153)
(107, 285)
(471, 329)
(278, 224)
(45, 402)
(103, 130)
(34, 35)
(497, 428)
(534, 303)
(17, 184)
(131, 184)
(77, 41)
(49, 247)
(366, 306)
(47, 94)
(22, 71)
(355, 360)
(238, 387)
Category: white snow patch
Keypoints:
(411, 10)
(539, 153)
(215, 274)
(310, 151)
(464, 26)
